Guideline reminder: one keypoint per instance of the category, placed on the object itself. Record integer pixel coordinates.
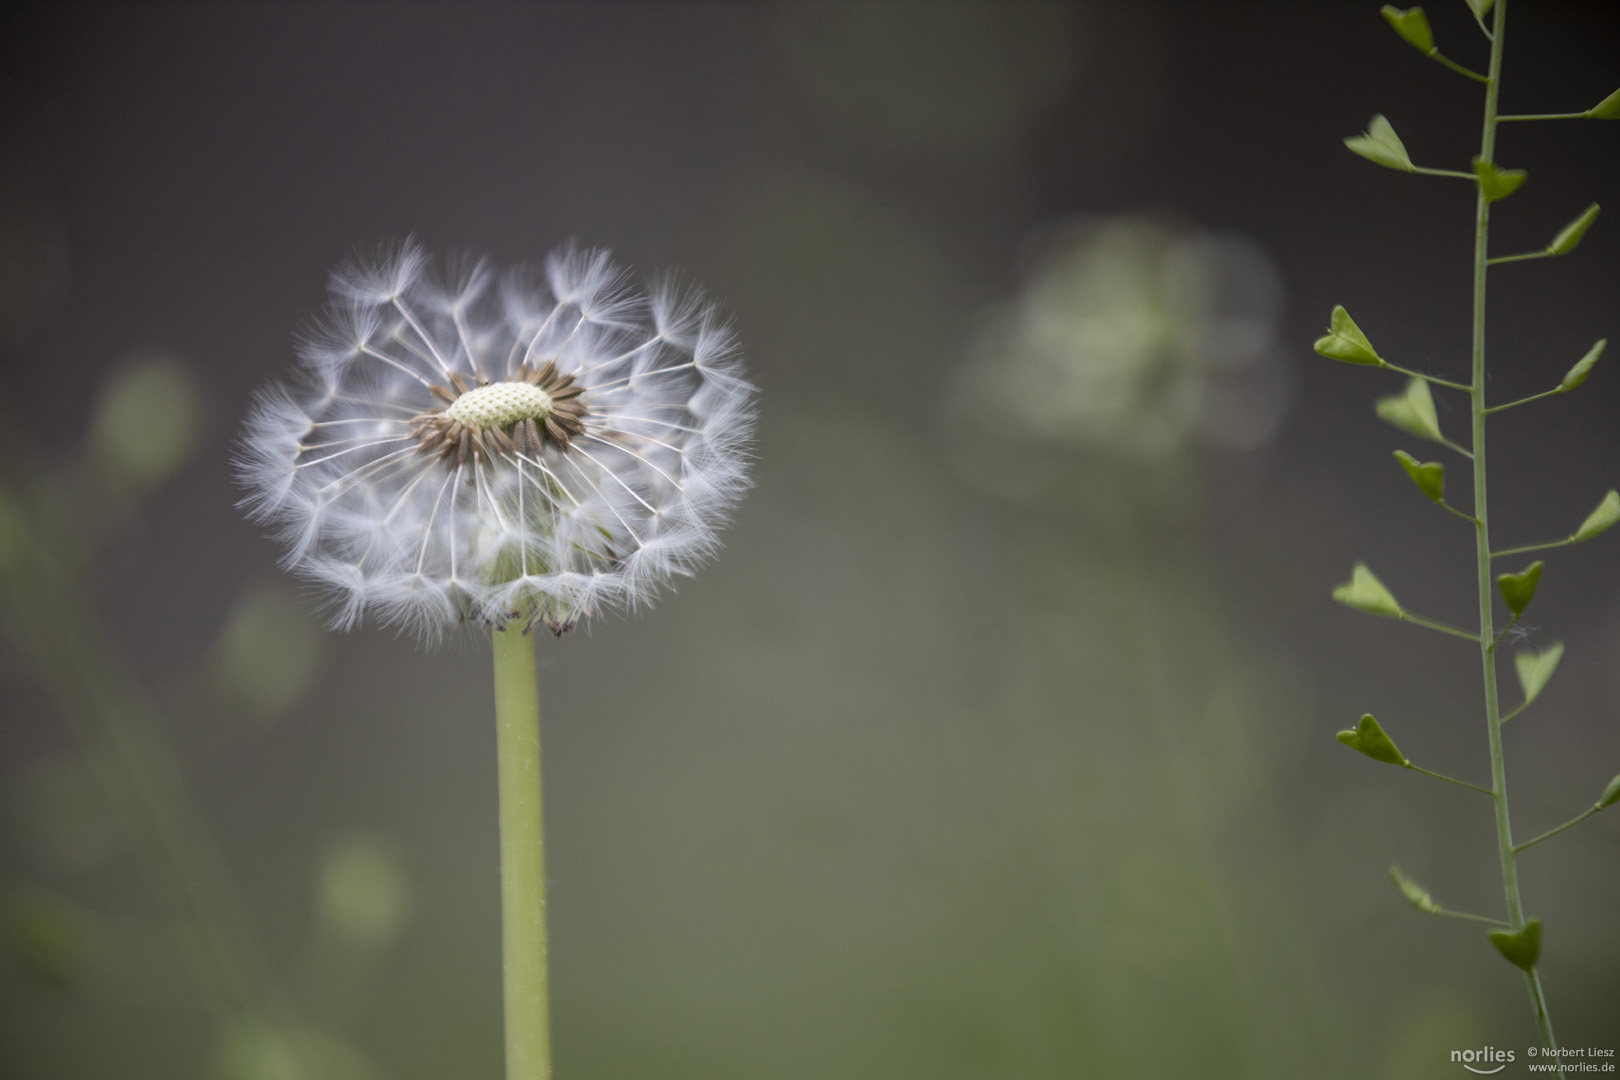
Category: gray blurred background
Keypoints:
(999, 742)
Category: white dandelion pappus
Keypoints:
(533, 447)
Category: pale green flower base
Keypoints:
(523, 859)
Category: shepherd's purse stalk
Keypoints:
(1518, 939)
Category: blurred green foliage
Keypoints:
(146, 419)
(268, 649)
(362, 891)
(124, 793)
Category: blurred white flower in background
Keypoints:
(534, 447)
(1134, 335)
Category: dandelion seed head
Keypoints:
(537, 446)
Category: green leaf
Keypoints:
(1381, 145)
(1535, 668)
(1364, 592)
(1600, 520)
(1519, 589)
(1611, 794)
(1498, 183)
(1412, 25)
(1521, 949)
(1429, 476)
(1570, 235)
(1607, 109)
(1345, 341)
(1481, 7)
(1577, 374)
(1415, 894)
(1412, 412)
(1368, 738)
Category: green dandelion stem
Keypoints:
(523, 858)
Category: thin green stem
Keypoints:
(1523, 705)
(523, 859)
(1524, 549)
(1487, 654)
(1449, 445)
(1543, 116)
(1504, 631)
(1447, 913)
(1441, 58)
(1482, 547)
(1465, 515)
(1434, 624)
(1538, 1002)
(1450, 779)
(1421, 170)
(1570, 824)
(1430, 378)
(1523, 401)
(1498, 260)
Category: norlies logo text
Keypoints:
(1487, 1055)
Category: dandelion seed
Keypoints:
(535, 447)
